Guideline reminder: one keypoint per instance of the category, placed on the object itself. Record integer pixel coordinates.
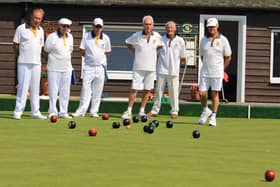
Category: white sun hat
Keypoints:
(64, 21)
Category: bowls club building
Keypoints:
(252, 27)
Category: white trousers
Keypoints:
(28, 76)
(59, 85)
(173, 88)
(92, 88)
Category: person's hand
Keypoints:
(226, 78)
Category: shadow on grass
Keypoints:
(263, 180)
(10, 116)
(182, 123)
(6, 116)
(113, 115)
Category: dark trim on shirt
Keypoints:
(170, 40)
(93, 35)
(217, 37)
(148, 39)
(28, 26)
(59, 34)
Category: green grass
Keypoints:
(39, 153)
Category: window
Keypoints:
(120, 61)
(275, 57)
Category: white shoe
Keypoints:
(65, 116)
(94, 115)
(142, 114)
(17, 117)
(40, 116)
(204, 116)
(212, 121)
(126, 115)
(77, 114)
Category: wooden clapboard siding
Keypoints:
(190, 77)
(258, 87)
(7, 58)
(76, 30)
(117, 88)
(269, 99)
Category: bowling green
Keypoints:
(235, 153)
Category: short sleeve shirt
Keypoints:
(213, 53)
(145, 56)
(95, 49)
(170, 56)
(59, 52)
(30, 46)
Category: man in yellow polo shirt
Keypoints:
(215, 54)
(144, 45)
(28, 42)
(95, 47)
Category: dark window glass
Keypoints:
(121, 58)
(276, 56)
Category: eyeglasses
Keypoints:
(65, 26)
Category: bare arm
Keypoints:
(130, 47)
(82, 52)
(159, 47)
(183, 59)
(45, 55)
(107, 54)
(227, 61)
(16, 49)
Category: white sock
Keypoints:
(205, 108)
(142, 110)
(129, 110)
(214, 115)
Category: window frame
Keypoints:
(273, 80)
(120, 75)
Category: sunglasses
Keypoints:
(65, 26)
(98, 26)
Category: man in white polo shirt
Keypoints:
(144, 44)
(95, 47)
(168, 69)
(59, 46)
(215, 54)
(28, 42)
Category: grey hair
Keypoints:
(39, 10)
(170, 23)
(148, 17)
